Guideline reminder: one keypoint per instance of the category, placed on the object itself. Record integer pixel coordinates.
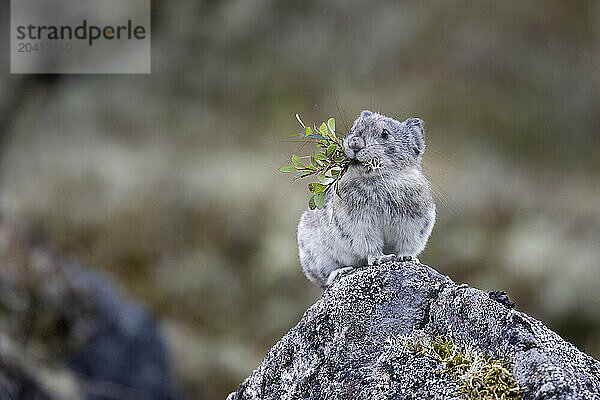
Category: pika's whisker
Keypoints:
(440, 193)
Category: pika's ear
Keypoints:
(414, 127)
(365, 113)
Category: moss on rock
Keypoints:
(478, 375)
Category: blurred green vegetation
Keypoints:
(169, 181)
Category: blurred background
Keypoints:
(164, 187)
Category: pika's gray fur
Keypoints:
(384, 210)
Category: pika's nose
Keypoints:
(356, 143)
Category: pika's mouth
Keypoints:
(351, 154)
(355, 160)
(361, 156)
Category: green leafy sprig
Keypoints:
(327, 165)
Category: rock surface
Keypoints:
(338, 350)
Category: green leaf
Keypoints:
(323, 129)
(320, 156)
(331, 125)
(296, 161)
(308, 131)
(316, 187)
(338, 159)
(335, 173)
(321, 177)
(288, 168)
(302, 175)
(331, 149)
(319, 200)
(311, 203)
(315, 136)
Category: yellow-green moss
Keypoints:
(477, 375)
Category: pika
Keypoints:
(383, 209)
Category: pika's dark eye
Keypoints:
(385, 134)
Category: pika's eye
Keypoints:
(385, 134)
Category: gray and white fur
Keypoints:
(384, 210)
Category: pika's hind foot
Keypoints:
(407, 258)
(337, 273)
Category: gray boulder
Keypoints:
(341, 348)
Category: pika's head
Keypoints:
(375, 139)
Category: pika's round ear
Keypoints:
(414, 127)
(365, 113)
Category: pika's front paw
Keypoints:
(378, 260)
(407, 258)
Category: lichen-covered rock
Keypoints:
(340, 349)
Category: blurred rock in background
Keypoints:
(67, 332)
(168, 182)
